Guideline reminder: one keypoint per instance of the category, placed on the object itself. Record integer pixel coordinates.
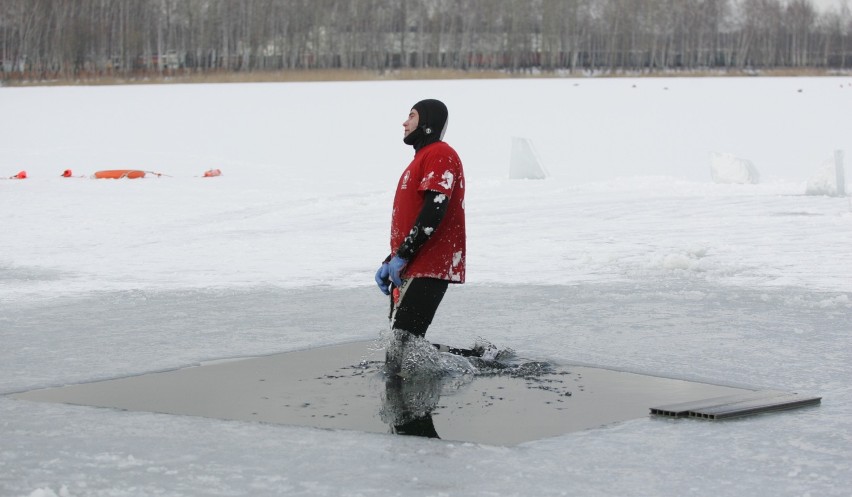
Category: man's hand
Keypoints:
(383, 278)
(395, 267)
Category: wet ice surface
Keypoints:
(769, 338)
(113, 334)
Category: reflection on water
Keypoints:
(407, 405)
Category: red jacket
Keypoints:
(435, 167)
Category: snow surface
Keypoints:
(628, 256)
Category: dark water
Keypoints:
(344, 387)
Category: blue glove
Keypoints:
(383, 278)
(396, 265)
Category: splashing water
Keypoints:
(417, 375)
(410, 356)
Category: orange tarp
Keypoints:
(120, 173)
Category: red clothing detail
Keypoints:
(435, 167)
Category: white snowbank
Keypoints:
(829, 179)
(729, 169)
(524, 162)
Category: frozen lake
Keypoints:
(627, 257)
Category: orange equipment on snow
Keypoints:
(67, 173)
(120, 173)
(210, 173)
(20, 175)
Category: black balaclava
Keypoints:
(431, 125)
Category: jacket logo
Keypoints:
(405, 178)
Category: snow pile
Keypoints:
(524, 162)
(729, 169)
(828, 180)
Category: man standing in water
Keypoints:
(428, 240)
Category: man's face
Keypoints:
(411, 123)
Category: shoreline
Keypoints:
(357, 75)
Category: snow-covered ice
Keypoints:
(627, 256)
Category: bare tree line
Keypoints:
(70, 38)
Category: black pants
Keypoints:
(414, 305)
